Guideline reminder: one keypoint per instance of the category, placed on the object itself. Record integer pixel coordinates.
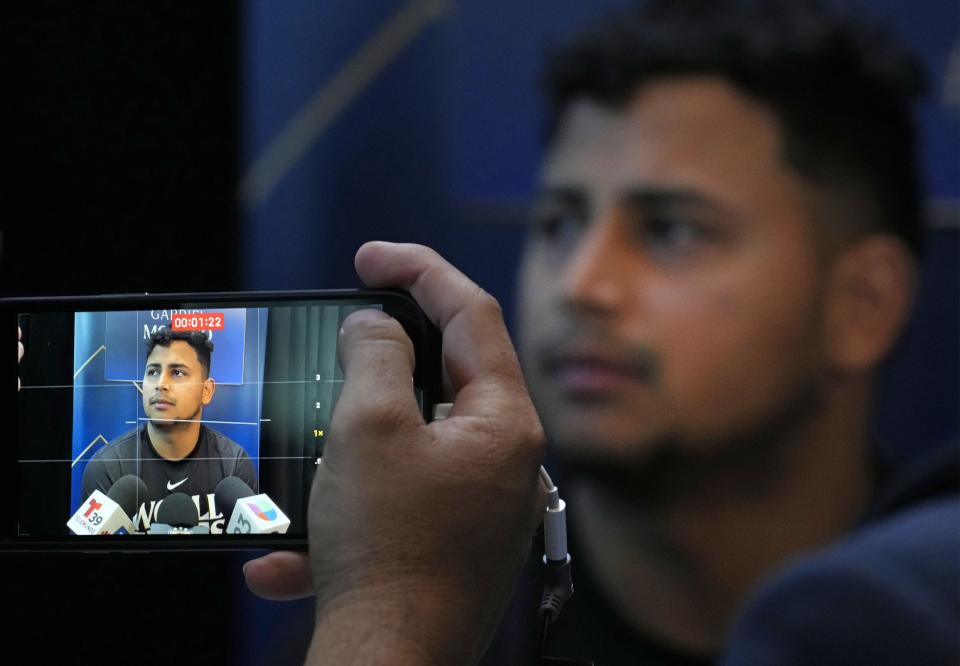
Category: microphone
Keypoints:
(110, 513)
(250, 513)
(129, 492)
(177, 514)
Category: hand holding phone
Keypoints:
(417, 529)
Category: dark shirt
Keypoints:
(888, 590)
(887, 594)
(590, 630)
(214, 458)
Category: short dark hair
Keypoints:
(840, 88)
(199, 341)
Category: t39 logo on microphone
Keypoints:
(99, 515)
(257, 515)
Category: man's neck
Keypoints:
(680, 571)
(174, 442)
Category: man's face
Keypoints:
(174, 387)
(671, 285)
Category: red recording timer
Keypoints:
(208, 321)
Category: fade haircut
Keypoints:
(199, 341)
(839, 87)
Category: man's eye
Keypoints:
(672, 232)
(179, 373)
(557, 226)
(151, 372)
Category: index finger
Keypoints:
(477, 349)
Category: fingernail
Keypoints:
(367, 314)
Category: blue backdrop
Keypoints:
(438, 138)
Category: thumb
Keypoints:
(377, 397)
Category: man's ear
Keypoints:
(209, 388)
(870, 296)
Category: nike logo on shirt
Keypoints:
(172, 486)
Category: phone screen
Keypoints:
(125, 405)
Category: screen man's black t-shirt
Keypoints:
(214, 458)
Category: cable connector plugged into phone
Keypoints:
(558, 583)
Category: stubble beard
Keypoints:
(669, 467)
(168, 424)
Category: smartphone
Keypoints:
(136, 410)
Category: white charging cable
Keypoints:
(557, 583)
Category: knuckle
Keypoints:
(385, 415)
(517, 441)
(427, 253)
(530, 442)
(382, 338)
(374, 415)
(488, 305)
(535, 440)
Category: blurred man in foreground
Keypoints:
(724, 251)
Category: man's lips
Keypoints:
(597, 373)
(161, 404)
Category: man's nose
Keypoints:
(597, 271)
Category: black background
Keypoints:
(123, 148)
